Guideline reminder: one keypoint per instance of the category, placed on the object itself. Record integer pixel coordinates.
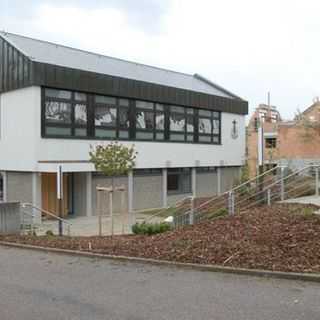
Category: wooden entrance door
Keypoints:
(49, 193)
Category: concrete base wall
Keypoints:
(10, 219)
(207, 184)
(102, 181)
(229, 176)
(173, 198)
(80, 193)
(19, 186)
(147, 192)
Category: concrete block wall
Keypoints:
(10, 219)
(206, 184)
(107, 182)
(80, 193)
(19, 186)
(229, 176)
(147, 191)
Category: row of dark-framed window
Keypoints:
(79, 115)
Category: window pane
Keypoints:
(177, 136)
(190, 137)
(216, 126)
(123, 118)
(177, 109)
(205, 138)
(144, 120)
(144, 105)
(80, 114)
(105, 100)
(80, 96)
(204, 125)
(160, 121)
(58, 112)
(190, 111)
(216, 139)
(58, 131)
(159, 107)
(80, 132)
(177, 122)
(124, 102)
(62, 94)
(159, 136)
(104, 133)
(173, 182)
(205, 113)
(144, 135)
(216, 115)
(190, 124)
(123, 134)
(105, 116)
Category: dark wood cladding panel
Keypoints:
(15, 68)
(41, 74)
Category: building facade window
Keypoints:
(209, 126)
(65, 113)
(68, 114)
(271, 143)
(179, 180)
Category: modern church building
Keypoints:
(56, 102)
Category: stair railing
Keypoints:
(52, 215)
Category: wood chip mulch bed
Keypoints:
(283, 237)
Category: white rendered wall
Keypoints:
(21, 145)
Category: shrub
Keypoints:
(49, 233)
(150, 228)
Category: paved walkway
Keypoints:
(88, 226)
(40, 286)
(306, 200)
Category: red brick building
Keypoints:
(294, 143)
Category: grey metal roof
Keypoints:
(46, 52)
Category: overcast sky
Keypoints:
(248, 46)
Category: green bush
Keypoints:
(49, 233)
(150, 228)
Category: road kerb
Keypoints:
(200, 267)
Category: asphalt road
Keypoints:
(36, 285)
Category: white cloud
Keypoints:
(248, 46)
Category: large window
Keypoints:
(111, 117)
(65, 113)
(80, 115)
(150, 121)
(179, 180)
(209, 126)
(181, 124)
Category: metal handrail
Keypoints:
(238, 187)
(69, 224)
(167, 208)
(291, 175)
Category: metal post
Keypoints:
(317, 181)
(60, 197)
(123, 211)
(99, 205)
(269, 197)
(192, 210)
(231, 202)
(282, 184)
(111, 211)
